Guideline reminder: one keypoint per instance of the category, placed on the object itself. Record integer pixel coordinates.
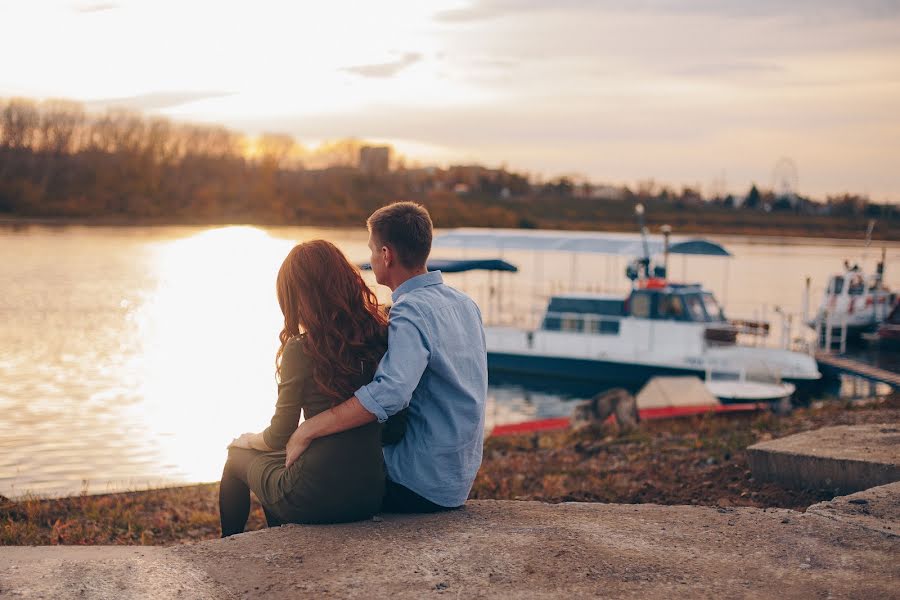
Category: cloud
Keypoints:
(97, 7)
(152, 101)
(385, 70)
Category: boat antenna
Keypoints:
(639, 211)
(869, 229)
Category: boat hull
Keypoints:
(604, 373)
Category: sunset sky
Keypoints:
(708, 92)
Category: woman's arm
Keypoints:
(295, 372)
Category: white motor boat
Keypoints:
(659, 329)
(853, 304)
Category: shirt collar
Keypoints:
(419, 281)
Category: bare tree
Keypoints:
(61, 120)
(20, 121)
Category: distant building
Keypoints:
(607, 192)
(374, 160)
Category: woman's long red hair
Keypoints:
(323, 295)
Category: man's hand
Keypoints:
(346, 415)
(297, 445)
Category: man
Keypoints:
(436, 364)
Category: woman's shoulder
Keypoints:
(296, 343)
(294, 357)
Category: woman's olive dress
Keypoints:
(339, 477)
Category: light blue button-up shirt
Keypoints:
(436, 363)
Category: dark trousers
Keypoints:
(401, 499)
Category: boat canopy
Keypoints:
(616, 244)
(459, 266)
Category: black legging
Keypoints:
(234, 493)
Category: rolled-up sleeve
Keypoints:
(295, 371)
(401, 367)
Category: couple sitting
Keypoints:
(351, 458)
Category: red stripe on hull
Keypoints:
(646, 414)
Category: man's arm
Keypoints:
(349, 414)
(395, 380)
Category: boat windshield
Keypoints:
(713, 310)
(857, 285)
(695, 307)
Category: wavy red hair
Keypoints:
(323, 295)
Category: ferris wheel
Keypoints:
(785, 179)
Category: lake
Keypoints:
(131, 356)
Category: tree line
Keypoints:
(57, 160)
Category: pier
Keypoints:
(842, 365)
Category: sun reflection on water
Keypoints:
(209, 336)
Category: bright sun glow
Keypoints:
(210, 334)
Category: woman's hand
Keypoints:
(250, 441)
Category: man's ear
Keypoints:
(388, 256)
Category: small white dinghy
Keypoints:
(749, 391)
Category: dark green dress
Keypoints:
(339, 477)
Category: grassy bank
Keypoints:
(699, 460)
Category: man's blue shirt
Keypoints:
(436, 363)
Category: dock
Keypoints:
(842, 365)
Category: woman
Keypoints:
(333, 337)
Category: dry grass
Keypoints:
(698, 460)
(154, 517)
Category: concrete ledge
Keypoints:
(876, 509)
(845, 459)
(497, 549)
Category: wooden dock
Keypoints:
(848, 366)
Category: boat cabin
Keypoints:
(601, 314)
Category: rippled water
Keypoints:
(130, 356)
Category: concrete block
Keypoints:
(846, 459)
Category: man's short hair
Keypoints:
(406, 228)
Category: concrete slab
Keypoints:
(846, 459)
(876, 509)
(500, 549)
(88, 572)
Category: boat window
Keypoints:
(695, 307)
(713, 311)
(671, 307)
(857, 286)
(572, 324)
(836, 286)
(603, 327)
(641, 305)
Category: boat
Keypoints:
(854, 304)
(661, 328)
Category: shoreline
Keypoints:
(690, 461)
(773, 235)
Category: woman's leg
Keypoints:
(234, 493)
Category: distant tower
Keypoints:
(785, 180)
(374, 160)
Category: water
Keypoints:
(130, 356)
